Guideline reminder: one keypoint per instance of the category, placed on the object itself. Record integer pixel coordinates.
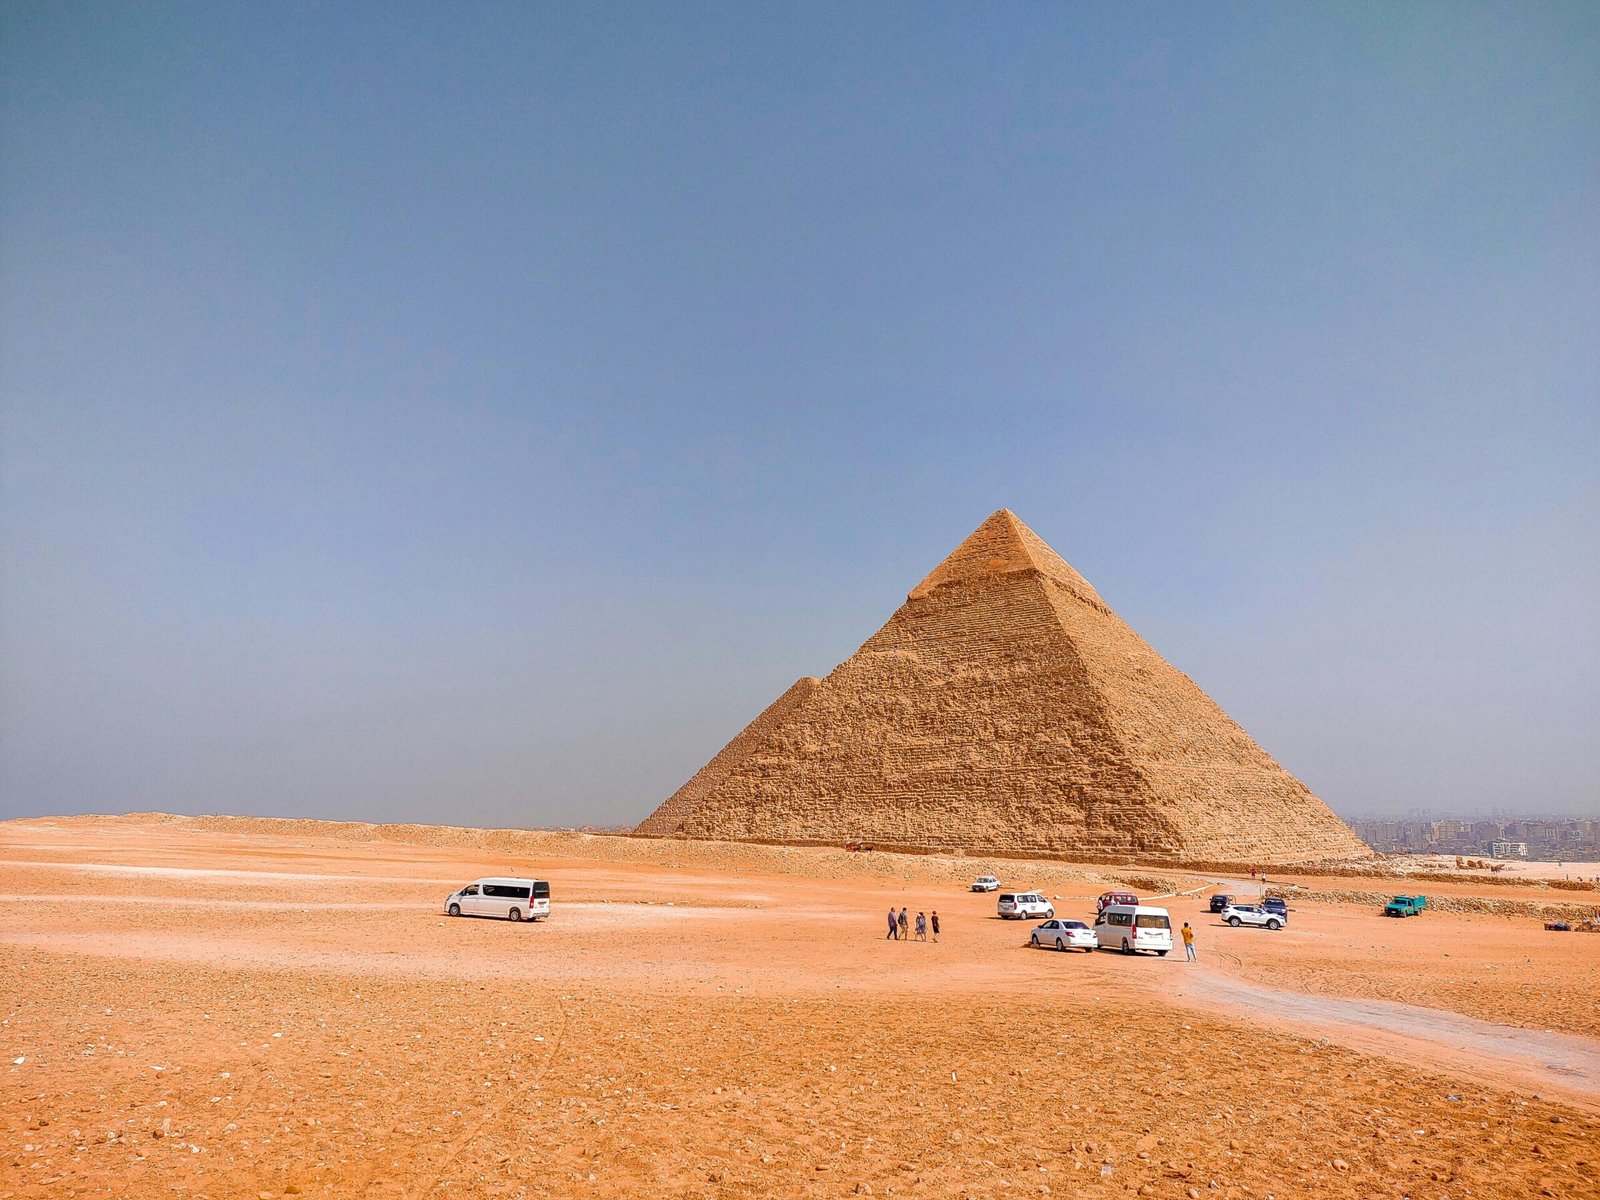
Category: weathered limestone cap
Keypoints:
(1000, 546)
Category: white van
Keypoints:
(1018, 906)
(514, 899)
(1133, 927)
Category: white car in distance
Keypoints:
(1065, 935)
(986, 883)
(1019, 906)
(1252, 914)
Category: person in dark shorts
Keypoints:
(934, 921)
(905, 927)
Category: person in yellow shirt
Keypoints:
(1188, 942)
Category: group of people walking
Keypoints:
(900, 926)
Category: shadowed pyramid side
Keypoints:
(1227, 799)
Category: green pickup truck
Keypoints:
(1405, 906)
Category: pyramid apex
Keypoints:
(1004, 545)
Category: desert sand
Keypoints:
(226, 1008)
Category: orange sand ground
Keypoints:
(234, 1008)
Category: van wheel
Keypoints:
(1049, 912)
(1060, 945)
(1126, 949)
(1234, 921)
(515, 914)
(455, 910)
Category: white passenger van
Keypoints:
(514, 899)
(1019, 906)
(1134, 927)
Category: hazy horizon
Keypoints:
(477, 415)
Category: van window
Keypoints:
(541, 890)
(505, 891)
(1117, 919)
(1151, 921)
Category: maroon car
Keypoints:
(1114, 898)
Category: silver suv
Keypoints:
(1014, 906)
(1252, 914)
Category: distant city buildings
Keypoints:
(1543, 839)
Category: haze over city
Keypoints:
(478, 414)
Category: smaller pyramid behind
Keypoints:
(1006, 708)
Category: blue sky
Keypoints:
(479, 412)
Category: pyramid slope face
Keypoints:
(670, 816)
(1005, 708)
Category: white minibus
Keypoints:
(1134, 927)
(514, 899)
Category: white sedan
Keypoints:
(1065, 935)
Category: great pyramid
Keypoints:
(1006, 708)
